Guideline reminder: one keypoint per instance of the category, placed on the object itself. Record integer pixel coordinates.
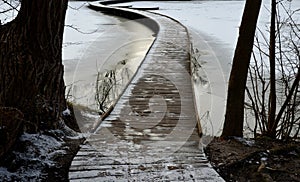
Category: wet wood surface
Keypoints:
(151, 134)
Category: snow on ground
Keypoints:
(36, 153)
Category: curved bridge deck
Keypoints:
(151, 134)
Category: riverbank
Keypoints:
(263, 159)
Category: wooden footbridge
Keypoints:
(151, 134)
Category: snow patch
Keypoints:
(37, 154)
(66, 112)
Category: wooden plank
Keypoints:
(134, 144)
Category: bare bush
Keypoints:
(286, 124)
(110, 84)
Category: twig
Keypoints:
(9, 4)
(77, 29)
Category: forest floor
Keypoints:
(263, 159)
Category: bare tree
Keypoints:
(279, 78)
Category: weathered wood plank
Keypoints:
(151, 134)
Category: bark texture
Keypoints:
(31, 70)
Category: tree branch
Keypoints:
(10, 5)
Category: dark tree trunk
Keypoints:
(31, 70)
(272, 101)
(234, 118)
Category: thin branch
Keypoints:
(9, 4)
(78, 7)
(5, 11)
(77, 29)
(288, 98)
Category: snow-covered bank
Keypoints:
(37, 152)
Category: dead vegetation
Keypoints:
(263, 159)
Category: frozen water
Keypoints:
(95, 42)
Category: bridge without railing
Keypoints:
(151, 134)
